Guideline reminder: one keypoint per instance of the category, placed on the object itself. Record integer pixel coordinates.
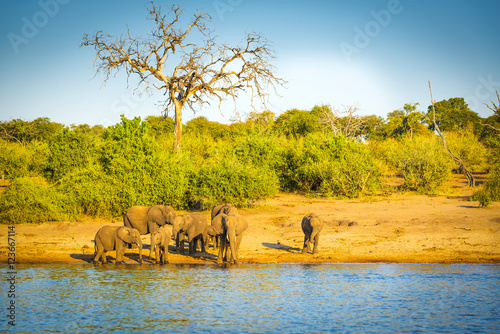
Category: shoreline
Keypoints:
(400, 228)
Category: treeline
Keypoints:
(58, 172)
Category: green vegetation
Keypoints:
(59, 173)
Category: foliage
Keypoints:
(22, 160)
(453, 114)
(202, 126)
(228, 180)
(102, 172)
(464, 144)
(330, 166)
(69, 149)
(24, 132)
(296, 123)
(421, 161)
(33, 200)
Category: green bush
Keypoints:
(33, 200)
(70, 149)
(22, 160)
(465, 145)
(330, 166)
(490, 191)
(422, 161)
(228, 180)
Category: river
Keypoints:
(253, 298)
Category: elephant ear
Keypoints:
(155, 215)
(168, 214)
(124, 234)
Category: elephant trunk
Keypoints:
(231, 235)
(312, 238)
(139, 244)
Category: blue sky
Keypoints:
(377, 55)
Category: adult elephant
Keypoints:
(312, 225)
(194, 226)
(222, 208)
(215, 228)
(233, 227)
(146, 219)
(116, 238)
(160, 239)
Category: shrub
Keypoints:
(331, 166)
(465, 145)
(69, 149)
(422, 161)
(22, 161)
(228, 180)
(490, 192)
(33, 200)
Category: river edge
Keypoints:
(400, 228)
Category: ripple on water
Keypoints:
(258, 298)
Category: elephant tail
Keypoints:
(95, 246)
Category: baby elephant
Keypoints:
(119, 238)
(311, 226)
(160, 239)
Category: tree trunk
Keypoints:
(178, 126)
(467, 173)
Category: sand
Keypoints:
(402, 228)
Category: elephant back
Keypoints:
(137, 217)
(221, 208)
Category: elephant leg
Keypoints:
(306, 244)
(104, 258)
(202, 244)
(165, 254)
(181, 246)
(236, 249)
(96, 258)
(158, 253)
(316, 242)
(221, 251)
(119, 254)
(192, 246)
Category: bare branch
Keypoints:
(202, 70)
(467, 173)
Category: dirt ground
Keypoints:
(405, 228)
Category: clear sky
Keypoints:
(376, 54)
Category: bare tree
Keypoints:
(467, 173)
(345, 122)
(496, 110)
(188, 71)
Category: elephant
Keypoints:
(119, 238)
(146, 219)
(222, 208)
(312, 225)
(160, 239)
(215, 229)
(195, 227)
(233, 227)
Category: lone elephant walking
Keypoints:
(312, 225)
(116, 238)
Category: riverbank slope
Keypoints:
(394, 228)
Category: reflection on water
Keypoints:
(257, 298)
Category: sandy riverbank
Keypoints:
(395, 228)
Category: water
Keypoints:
(284, 298)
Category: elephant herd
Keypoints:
(226, 231)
